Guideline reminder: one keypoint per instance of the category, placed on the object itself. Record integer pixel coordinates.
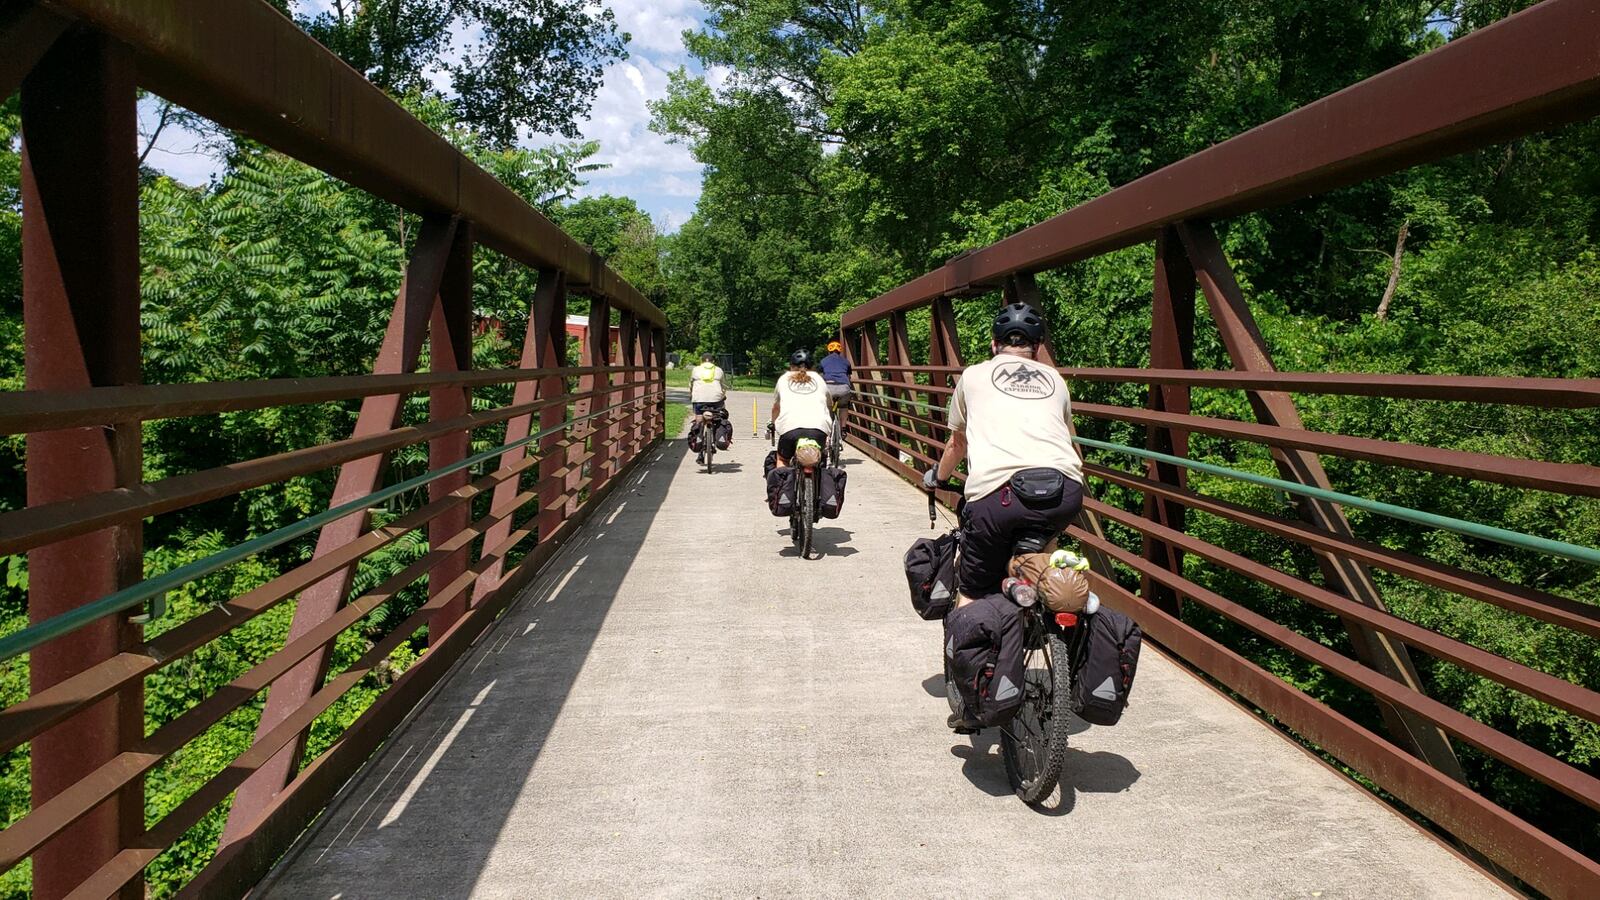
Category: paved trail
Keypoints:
(682, 707)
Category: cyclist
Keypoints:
(708, 389)
(835, 371)
(1011, 419)
(800, 406)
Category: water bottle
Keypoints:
(1021, 592)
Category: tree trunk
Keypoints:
(1394, 270)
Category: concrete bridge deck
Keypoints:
(682, 707)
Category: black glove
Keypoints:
(771, 430)
(930, 480)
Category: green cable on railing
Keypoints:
(28, 638)
(1405, 514)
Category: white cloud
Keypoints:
(659, 175)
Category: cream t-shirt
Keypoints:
(705, 384)
(1015, 412)
(802, 405)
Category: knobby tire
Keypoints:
(1051, 713)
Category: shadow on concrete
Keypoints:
(1092, 772)
(826, 540)
(429, 808)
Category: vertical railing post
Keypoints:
(538, 352)
(658, 362)
(597, 353)
(880, 413)
(1171, 347)
(628, 351)
(944, 349)
(450, 350)
(80, 298)
(402, 345)
(900, 355)
(1248, 351)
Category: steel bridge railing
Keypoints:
(1532, 70)
(491, 519)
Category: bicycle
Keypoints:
(808, 487)
(1033, 744)
(709, 420)
(836, 439)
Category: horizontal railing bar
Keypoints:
(1573, 698)
(1526, 72)
(33, 411)
(1404, 514)
(34, 526)
(904, 432)
(1557, 610)
(28, 717)
(868, 404)
(868, 436)
(32, 636)
(904, 386)
(237, 867)
(25, 835)
(1562, 478)
(1544, 768)
(1549, 393)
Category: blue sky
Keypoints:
(662, 177)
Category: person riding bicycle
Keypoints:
(800, 407)
(1011, 419)
(708, 385)
(835, 371)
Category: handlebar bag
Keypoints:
(985, 644)
(931, 574)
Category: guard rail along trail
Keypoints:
(1536, 69)
(491, 518)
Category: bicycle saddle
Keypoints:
(1027, 542)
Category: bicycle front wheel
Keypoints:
(1033, 744)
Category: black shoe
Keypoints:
(960, 724)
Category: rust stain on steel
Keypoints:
(1552, 608)
(1545, 863)
(1529, 71)
(246, 66)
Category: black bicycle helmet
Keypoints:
(1018, 318)
(801, 357)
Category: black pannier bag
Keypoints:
(724, 432)
(696, 435)
(931, 574)
(1107, 659)
(768, 464)
(986, 649)
(830, 500)
(781, 484)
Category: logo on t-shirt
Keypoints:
(1023, 381)
(809, 386)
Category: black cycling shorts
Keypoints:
(788, 440)
(990, 526)
(715, 404)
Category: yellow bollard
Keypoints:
(755, 403)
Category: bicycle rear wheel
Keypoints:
(711, 450)
(807, 513)
(1033, 744)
